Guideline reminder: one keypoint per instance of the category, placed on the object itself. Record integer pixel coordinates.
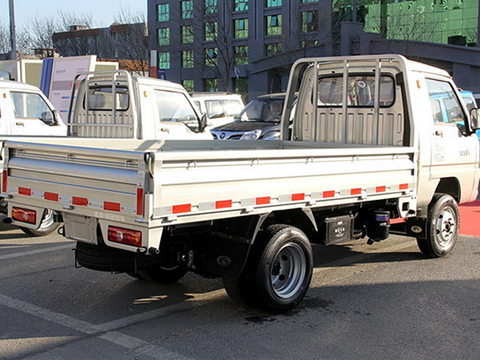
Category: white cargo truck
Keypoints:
(366, 155)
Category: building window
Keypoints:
(210, 85)
(188, 85)
(272, 49)
(211, 57)
(273, 3)
(306, 44)
(241, 55)
(210, 7)
(187, 59)
(309, 21)
(241, 5)
(211, 31)
(163, 36)
(308, 1)
(187, 9)
(163, 11)
(274, 25)
(187, 34)
(164, 60)
(241, 28)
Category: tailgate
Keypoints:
(85, 181)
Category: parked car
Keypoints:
(260, 119)
(219, 108)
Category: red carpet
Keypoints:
(470, 218)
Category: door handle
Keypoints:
(438, 132)
(19, 124)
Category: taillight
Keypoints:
(24, 215)
(125, 236)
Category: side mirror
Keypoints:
(202, 123)
(49, 117)
(475, 119)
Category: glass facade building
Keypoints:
(439, 21)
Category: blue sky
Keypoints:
(102, 11)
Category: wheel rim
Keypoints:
(47, 220)
(446, 228)
(288, 270)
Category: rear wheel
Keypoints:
(278, 272)
(443, 226)
(47, 226)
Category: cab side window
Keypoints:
(445, 105)
(29, 105)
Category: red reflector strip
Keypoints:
(50, 196)
(380, 189)
(107, 205)
(298, 197)
(223, 204)
(25, 191)
(4, 181)
(356, 191)
(124, 236)
(397, 221)
(262, 200)
(23, 215)
(403, 186)
(329, 194)
(139, 201)
(178, 209)
(80, 201)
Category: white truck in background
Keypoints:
(120, 106)
(366, 155)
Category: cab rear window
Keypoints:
(360, 91)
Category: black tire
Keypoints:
(104, 258)
(278, 272)
(163, 275)
(442, 228)
(47, 226)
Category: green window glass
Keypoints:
(309, 21)
(274, 25)
(187, 34)
(241, 55)
(210, 7)
(272, 49)
(211, 31)
(210, 85)
(163, 12)
(273, 3)
(241, 5)
(189, 85)
(187, 9)
(164, 60)
(211, 56)
(241, 28)
(187, 59)
(164, 36)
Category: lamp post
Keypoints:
(13, 42)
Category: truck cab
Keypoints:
(26, 111)
(118, 105)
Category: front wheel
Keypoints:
(443, 226)
(278, 272)
(47, 226)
